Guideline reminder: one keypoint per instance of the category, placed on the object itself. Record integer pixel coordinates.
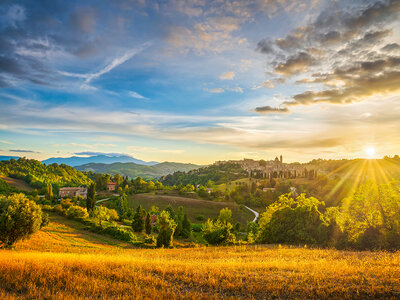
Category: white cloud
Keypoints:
(227, 75)
(113, 64)
(266, 84)
(136, 95)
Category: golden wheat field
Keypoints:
(95, 267)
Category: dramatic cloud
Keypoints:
(295, 64)
(340, 48)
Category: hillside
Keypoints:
(38, 175)
(101, 158)
(133, 170)
(221, 173)
(192, 207)
(62, 261)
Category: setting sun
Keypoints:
(370, 151)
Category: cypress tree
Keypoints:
(148, 224)
(91, 198)
(138, 222)
(186, 227)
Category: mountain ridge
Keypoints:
(74, 161)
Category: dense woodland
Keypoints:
(39, 175)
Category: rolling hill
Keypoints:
(134, 170)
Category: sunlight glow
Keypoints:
(370, 151)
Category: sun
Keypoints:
(370, 151)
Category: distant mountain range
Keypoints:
(101, 158)
(7, 157)
(134, 170)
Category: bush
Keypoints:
(218, 233)
(59, 210)
(77, 212)
(196, 227)
(19, 218)
(166, 230)
(150, 240)
(200, 218)
(120, 233)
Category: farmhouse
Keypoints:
(111, 186)
(73, 192)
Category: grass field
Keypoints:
(192, 207)
(95, 268)
(17, 183)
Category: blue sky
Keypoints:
(200, 81)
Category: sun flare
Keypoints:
(370, 151)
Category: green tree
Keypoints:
(186, 227)
(91, 198)
(294, 221)
(179, 221)
(138, 219)
(170, 210)
(166, 230)
(148, 224)
(225, 215)
(49, 192)
(217, 232)
(19, 218)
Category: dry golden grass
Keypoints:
(112, 272)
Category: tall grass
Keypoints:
(246, 272)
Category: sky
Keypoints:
(200, 81)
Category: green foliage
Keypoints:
(49, 192)
(370, 217)
(218, 233)
(225, 215)
(102, 213)
(6, 189)
(39, 175)
(200, 217)
(77, 212)
(166, 227)
(138, 219)
(91, 198)
(186, 227)
(216, 173)
(150, 240)
(179, 221)
(294, 221)
(133, 170)
(19, 218)
(147, 225)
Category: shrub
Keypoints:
(58, 209)
(19, 218)
(150, 240)
(120, 233)
(200, 218)
(217, 232)
(166, 230)
(196, 227)
(77, 212)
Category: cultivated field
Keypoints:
(104, 270)
(17, 183)
(192, 207)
